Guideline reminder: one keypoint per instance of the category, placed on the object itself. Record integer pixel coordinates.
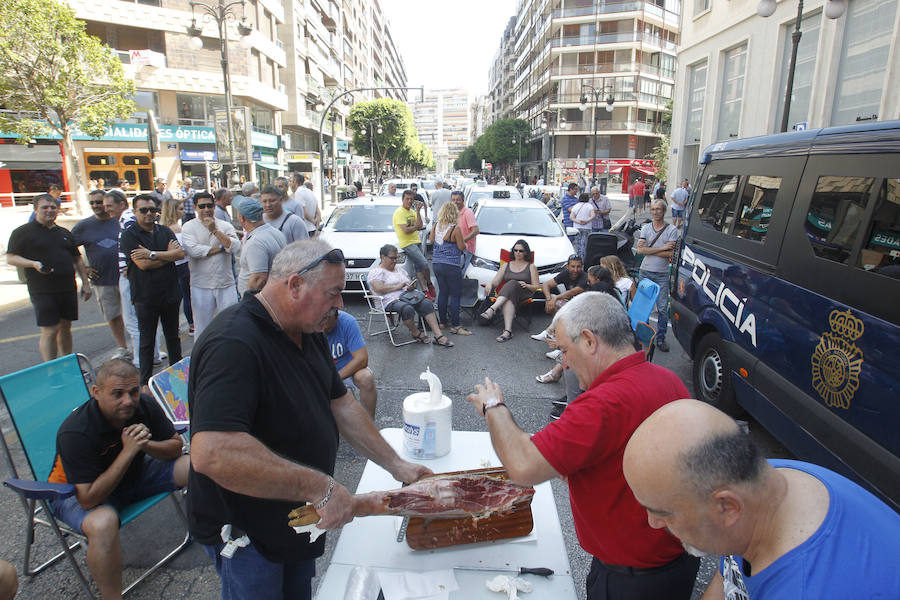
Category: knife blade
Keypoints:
(541, 571)
(402, 532)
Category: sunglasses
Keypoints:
(334, 257)
(518, 250)
(202, 206)
(148, 209)
(96, 202)
(574, 257)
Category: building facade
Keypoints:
(478, 118)
(733, 69)
(564, 51)
(443, 122)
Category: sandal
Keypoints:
(547, 377)
(505, 336)
(422, 338)
(488, 314)
(446, 343)
(460, 330)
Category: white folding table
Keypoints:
(372, 541)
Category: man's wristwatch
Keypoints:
(491, 403)
(153, 256)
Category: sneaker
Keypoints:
(157, 361)
(557, 412)
(561, 402)
(554, 354)
(123, 353)
(163, 355)
(541, 336)
(662, 345)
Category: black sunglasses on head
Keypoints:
(202, 206)
(334, 257)
(147, 209)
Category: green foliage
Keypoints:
(496, 144)
(56, 73)
(661, 151)
(398, 140)
(468, 159)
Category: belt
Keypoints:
(637, 571)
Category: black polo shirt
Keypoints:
(86, 444)
(248, 376)
(563, 278)
(154, 286)
(54, 247)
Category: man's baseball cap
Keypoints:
(249, 207)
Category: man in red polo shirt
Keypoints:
(585, 446)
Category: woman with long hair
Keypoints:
(447, 240)
(622, 281)
(522, 282)
(172, 213)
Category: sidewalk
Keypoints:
(13, 294)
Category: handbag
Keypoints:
(412, 296)
(607, 223)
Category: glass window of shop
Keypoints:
(196, 109)
(262, 120)
(144, 101)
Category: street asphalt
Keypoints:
(513, 365)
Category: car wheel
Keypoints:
(712, 375)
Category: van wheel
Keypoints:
(711, 375)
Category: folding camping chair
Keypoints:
(468, 299)
(38, 399)
(391, 318)
(643, 303)
(169, 389)
(523, 316)
(646, 337)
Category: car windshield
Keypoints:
(400, 188)
(501, 220)
(428, 185)
(362, 217)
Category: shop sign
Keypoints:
(294, 156)
(263, 140)
(265, 158)
(137, 132)
(199, 156)
(343, 145)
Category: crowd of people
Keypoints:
(654, 479)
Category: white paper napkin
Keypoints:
(408, 585)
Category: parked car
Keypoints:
(360, 227)
(501, 222)
(478, 193)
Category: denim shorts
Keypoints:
(247, 574)
(157, 477)
(677, 213)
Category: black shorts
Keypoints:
(49, 309)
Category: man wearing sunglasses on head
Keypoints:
(267, 409)
(150, 252)
(210, 243)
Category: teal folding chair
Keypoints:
(643, 303)
(646, 337)
(38, 399)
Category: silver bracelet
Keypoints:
(327, 497)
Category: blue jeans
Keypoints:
(581, 243)
(249, 576)
(662, 301)
(449, 280)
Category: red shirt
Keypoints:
(586, 445)
(638, 189)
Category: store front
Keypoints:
(27, 170)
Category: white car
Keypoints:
(501, 222)
(478, 193)
(401, 184)
(360, 228)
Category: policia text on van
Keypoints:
(786, 293)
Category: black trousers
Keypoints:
(673, 581)
(148, 315)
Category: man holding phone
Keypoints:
(50, 257)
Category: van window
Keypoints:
(881, 249)
(716, 205)
(756, 207)
(835, 215)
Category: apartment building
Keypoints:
(565, 50)
(333, 46)
(478, 118)
(733, 65)
(443, 122)
(500, 77)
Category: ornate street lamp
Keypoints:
(766, 8)
(597, 94)
(220, 13)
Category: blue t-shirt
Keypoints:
(101, 244)
(345, 339)
(852, 555)
(679, 198)
(567, 203)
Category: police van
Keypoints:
(786, 293)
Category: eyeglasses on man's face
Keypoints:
(334, 257)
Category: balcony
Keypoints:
(605, 68)
(613, 38)
(606, 125)
(613, 7)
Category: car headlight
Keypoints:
(483, 263)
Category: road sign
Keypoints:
(387, 162)
(801, 126)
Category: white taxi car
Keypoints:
(501, 222)
(360, 228)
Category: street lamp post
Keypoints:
(596, 93)
(220, 14)
(325, 113)
(372, 130)
(766, 8)
(517, 140)
(560, 124)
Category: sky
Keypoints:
(448, 43)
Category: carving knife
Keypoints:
(542, 571)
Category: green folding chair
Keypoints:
(38, 399)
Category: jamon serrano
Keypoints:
(438, 497)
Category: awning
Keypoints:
(272, 166)
(645, 170)
(36, 158)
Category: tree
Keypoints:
(496, 144)
(57, 78)
(468, 159)
(395, 120)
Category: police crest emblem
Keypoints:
(837, 361)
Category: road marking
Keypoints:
(37, 335)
